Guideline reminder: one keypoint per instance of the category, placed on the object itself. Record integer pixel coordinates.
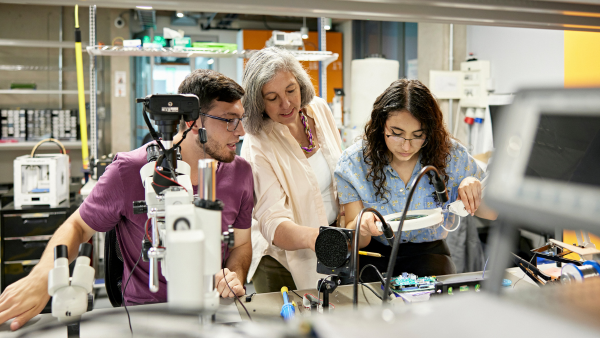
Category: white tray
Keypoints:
(434, 217)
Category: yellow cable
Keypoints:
(76, 16)
(81, 96)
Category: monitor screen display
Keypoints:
(566, 148)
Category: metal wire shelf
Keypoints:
(188, 52)
(165, 52)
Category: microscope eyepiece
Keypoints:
(61, 251)
(85, 249)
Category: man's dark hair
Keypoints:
(209, 85)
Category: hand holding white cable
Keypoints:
(458, 207)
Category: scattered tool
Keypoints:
(287, 310)
(371, 254)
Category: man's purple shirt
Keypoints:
(110, 204)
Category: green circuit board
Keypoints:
(409, 282)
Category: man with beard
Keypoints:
(110, 205)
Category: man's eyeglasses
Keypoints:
(232, 124)
(414, 142)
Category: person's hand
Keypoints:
(469, 191)
(233, 281)
(23, 300)
(367, 225)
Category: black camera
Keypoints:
(168, 110)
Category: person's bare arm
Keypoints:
(236, 266)
(486, 212)
(28, 296)
(291, 236)
(470, 192)
(367, 226)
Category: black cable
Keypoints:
(378, 273)
(374, 267)
(131, 273)
(368, 287)
(152, 131)
(184, 135)
(396, 246)
(355, 250)
(365, 295)
(157, 139)
(301, 299)
(524, 274)
(294, 292)
(123, 291)
(235, 296)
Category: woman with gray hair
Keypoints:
(293, 146)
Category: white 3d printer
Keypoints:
(41, 179)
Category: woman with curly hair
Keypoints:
(406, 132)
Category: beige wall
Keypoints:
(120, 107)
(433, 54)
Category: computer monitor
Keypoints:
(546, 168)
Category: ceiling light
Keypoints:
(304, 32)
(327, 23)
(304, 29)
(180, 14)
(143, 7)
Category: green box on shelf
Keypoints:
(23, 86)
(214, 45)
(182, 42)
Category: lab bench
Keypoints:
(264, 309)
